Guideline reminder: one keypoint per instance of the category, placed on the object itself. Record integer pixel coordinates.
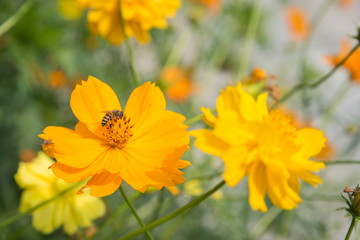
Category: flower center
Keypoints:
(117, 128)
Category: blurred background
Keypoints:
(49, 50)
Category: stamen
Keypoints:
(118, 131)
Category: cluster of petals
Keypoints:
(265, 146)
(142, 147)
(140, 16)
(70, 209)
(351, 64)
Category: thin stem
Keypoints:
(318, 82)
(11, 21)
(131, 206)
(20, 215)
(196, 118)
(134, 74)
(329, 113)
(353, 223)
(174, 214)
(249, 38)
(343, 162)
(116, 213)
(264, 222)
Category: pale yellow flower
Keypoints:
(70, 209)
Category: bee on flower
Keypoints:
(141, 144)
(267, 147)
(69, 209)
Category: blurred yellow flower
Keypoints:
(351, 64)
(139, 15)
(141, 144)
(40, 184)
(265, 146)
(70, 9)
(298, 23)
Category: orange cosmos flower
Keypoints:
(352, 64)
(179, 84)
(141, 144)
(298, 23)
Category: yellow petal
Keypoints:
(72, 149)
(89, 102)
(208, 142)
(163, 144)
(257, 187)
(310, 140)
(103, 184)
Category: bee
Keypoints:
(110, 115)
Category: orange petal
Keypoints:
(72, 149)
(103, 184)
(163, 144)
(71, 174)
(140, 176)
(90, 100)
(146, 106)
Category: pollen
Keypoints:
(118, 131)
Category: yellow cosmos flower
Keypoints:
(71, 209)
(139, 16)
(265, 146)
(141, 144)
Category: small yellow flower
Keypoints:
(265, 146)
(140, 17)
(141, 144)
(40, 184)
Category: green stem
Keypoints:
(11, 21)
(318, 82)
(134, 74)
(343, 162)
(172, 215)
(131, 206)
(196, 118)
(117, 212)
(264, 222)
(304, 49)
(329, 113)
(353, 223)
(249, 39)
(20, 215)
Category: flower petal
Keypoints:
(145, 107)
(257, 187)
(103, 184)
(163, 144)
(310, 140)
(72, 149)
(140, 176)
(208, 142)
(90, 100)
